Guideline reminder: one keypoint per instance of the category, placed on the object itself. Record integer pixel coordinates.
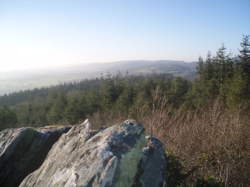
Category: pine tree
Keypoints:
(56, 112)
(239, 92)
(245, 57)
(8, 118)
(224, 65)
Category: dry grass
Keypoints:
(213, 144)
(100, 119)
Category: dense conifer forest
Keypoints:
(223, 77)
(204, 123)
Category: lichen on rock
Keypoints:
(116, 156)
(129, 164)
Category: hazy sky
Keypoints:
(44, 33)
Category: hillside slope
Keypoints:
(22, 80)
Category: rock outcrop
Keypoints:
(23, 150)
(116, 156)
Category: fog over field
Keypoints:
(21, 80)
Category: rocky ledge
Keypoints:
(23, 150)
(116, 156)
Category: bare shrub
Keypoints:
(211, 143)
(100, 119)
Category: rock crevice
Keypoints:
(116, 156)
(23, 150)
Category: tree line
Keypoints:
(220, 77)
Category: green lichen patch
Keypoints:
(129, 163)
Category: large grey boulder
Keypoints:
(117, 156)
(23, 150)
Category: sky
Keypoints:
(52, 33)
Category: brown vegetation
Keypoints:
(206, 147)
(212, 142)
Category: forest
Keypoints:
(204, 123)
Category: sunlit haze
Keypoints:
(52, 33)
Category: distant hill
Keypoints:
(23, 80)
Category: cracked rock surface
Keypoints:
(23, 150)
(116, 156)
